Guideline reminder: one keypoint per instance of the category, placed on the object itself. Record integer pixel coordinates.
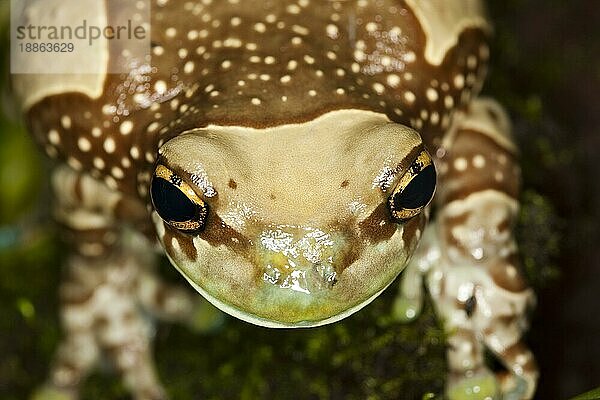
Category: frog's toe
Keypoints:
(482, 386)
(514, 387)
(406, 309)
(48, 392)
(206, 318)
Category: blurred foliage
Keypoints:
(591, 395)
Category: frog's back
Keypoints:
(265, 63)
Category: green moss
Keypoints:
(364, 356)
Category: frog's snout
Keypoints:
(304, 260)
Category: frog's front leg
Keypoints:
(477, 287)
(100, 308)
(469, 258)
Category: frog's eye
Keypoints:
(176, 202)
(415, 189)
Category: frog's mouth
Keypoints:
(289, 276)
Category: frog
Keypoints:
(291, 159)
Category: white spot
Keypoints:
(188, 68)
(395, 32)
(126, 127)
(171, 32)
(226, 64)
(371, 27)
(53, 137)
(260, 27)
(158, 50)
(332, 31)
(99, 163)
(110, 182)
(285, 79)
(300, 30)
(109, 145)
(459, 81)
(409, 97)
(460, 164)
(117, 172)
(134, 152)
(256, 101)
(312, 93)
(84, 144)
(393, 80)
(74, 163)
(378, 87)
(65, 121)
(192, 35)
(479, 161)
(359, 55)
(409, 57)
(432, 94)
(293, 9)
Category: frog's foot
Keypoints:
(519, 381)
(481, 385)
(515, 387)
(409, 300)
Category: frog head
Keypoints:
(295, 225)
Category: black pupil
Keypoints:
(418, 192)
(170, 203)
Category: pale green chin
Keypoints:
(237, 287)
(270, 323)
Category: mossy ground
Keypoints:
(367, 356)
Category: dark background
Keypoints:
(545, 70)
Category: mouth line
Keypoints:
(269, 322)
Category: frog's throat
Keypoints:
(268, 323)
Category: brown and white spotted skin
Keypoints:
(284, 152)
